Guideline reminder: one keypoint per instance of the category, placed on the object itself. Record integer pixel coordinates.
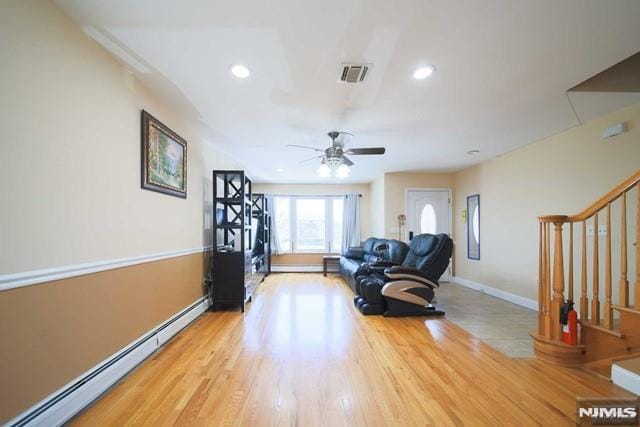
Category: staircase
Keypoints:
(608, 307)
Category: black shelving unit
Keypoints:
(231, 275)
(261, 253)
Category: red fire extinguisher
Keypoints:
(569, 320)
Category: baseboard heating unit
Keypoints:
(60, 406)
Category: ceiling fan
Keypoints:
(334, 160)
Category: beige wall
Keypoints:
(70, 171)
(395, 185)
(70, 194)
(297, 259)
(562, 174)
(377, 206)
(318, 190)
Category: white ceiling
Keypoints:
(502, 69)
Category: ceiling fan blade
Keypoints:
(346, 161)
(361, 151)
(304, 146)
(312, 158)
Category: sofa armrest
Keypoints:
(354, 252)
(400, 272)
(382, 264)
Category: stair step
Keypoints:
(626, 374)
(603, 371)
(602, 367)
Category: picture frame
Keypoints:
(163, 166)
(473, 227)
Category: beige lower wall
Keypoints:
(53, 332)
(395, 185)
(562, 174)
(297, 259)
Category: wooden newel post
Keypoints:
(541, 287)
(558, 283)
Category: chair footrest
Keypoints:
(397, 308)
(366, 307)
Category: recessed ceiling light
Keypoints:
(423, 72)
(240, 71)
(279, 170)
(472, 152)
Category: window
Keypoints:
(309, 224)
(283, 222)
(476, 224)
(428, 219)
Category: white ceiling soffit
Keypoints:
(502, 71)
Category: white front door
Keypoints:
(429, 211)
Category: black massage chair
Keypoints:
(405, 289)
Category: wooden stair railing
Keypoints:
(548, 342)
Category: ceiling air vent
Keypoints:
(354, 73)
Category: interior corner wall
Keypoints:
(562, 174)
(395, 185)
(318, 190)
(70, 194)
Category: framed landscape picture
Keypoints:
(164, 158)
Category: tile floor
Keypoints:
(501, 324)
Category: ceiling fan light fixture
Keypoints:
(240, 71)
(333, 161)
(324, 171)
(423, 72)
(343, 171)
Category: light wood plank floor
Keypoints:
(302, 355)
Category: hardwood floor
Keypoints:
(303, 355)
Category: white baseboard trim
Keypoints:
(498, 293)
(296, 268)
(28, 278)
(67, 401)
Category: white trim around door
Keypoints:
(406, 206)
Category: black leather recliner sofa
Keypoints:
(406, 289)
(374, 250)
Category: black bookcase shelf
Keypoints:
(231, 269)
(261, 254)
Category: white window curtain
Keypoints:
(351, 222)
(275, 243)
